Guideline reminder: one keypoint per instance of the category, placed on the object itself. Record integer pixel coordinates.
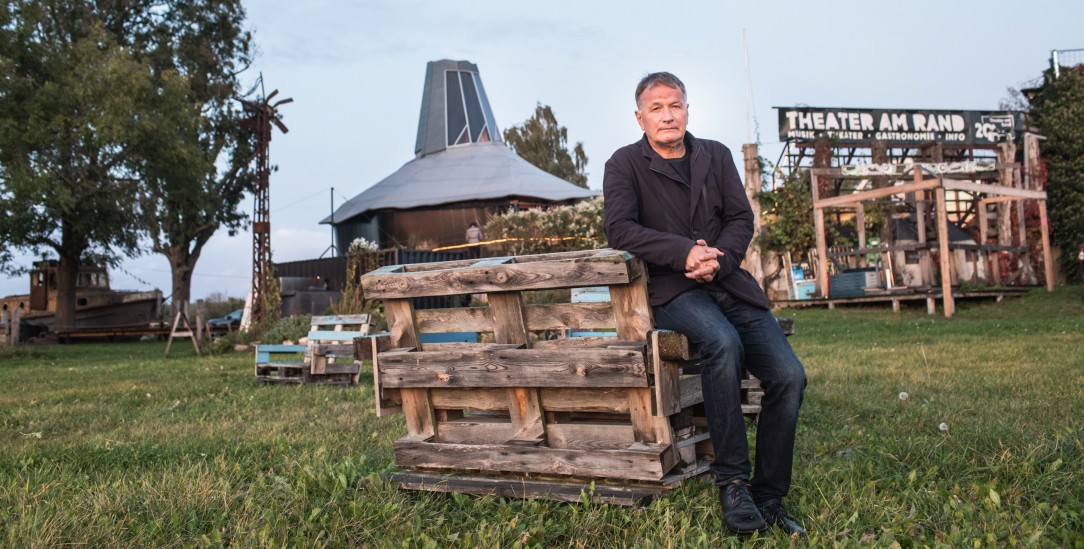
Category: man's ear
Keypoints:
(639, 120)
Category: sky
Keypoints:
(355, 70)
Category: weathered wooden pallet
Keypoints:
(328, 355)
(521, 416)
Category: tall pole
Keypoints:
(261, 222)
(261, 116)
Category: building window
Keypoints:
(465, 111)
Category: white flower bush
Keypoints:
(363, 245)
(559, 229)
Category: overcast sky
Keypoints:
(355, 71)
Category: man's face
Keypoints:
(663, 115)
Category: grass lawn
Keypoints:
(112, 445)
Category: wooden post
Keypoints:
(632, 314)
(510, 326)
(417, 406)
(984, 230)
(943, 247)
(1004, 212)
(200, 326)
(1048, 259)
(822, 246)
(925, 266)
(754, 262)
(860, 220)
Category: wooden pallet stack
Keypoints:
(326, 357)
(524, 416)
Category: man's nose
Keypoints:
(667, 114)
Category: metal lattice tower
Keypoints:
(261, 116)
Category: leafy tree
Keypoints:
(789, 225)
(118, 123)
(543, 142)
(1057, 110)
(68, 91)
(197, 169)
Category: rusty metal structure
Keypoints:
(261, 115)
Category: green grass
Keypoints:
(112, 445)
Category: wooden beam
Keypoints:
(638, 462)
(598, 269)
(631, 310)
(855, 198)
(667, 391)
(998, 190)
(984, 235)
(822, 246)
(515, 368)
(946, 260)
(998, 199)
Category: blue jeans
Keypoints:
(730, 334)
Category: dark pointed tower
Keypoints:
(455, 109)
(462, 172)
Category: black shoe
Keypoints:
(740, 514)
(776, 515)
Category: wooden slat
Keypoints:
(526, 414)
(576, 316)
(589, 436)
(366, 346)
(470, 399)
(333, 349)
(514, 368)
(646, 426)
(536, 275)
(631, 310)
(469, 347)
(519, 488)
(690, 390)
(331, 335)
(388, 401)
(462, 319)
(672, 345)
(996, 190)
(401, 324)
(332, 320)
(472, 431)
(592, 342)
(510, 327)
(595, 399)
(854, 198)
(509, 324)
(420, 418)
(646, 462)
(667, 372)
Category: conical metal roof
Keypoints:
(459, 154)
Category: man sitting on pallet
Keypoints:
(678, 203)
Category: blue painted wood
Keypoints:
(265, 353)
(592, 294)
(331, 335)
(449, 337)
(332, 320)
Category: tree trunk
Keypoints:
(66, 274)
(181, 265)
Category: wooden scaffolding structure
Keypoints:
(983, 181)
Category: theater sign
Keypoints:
(899, 127)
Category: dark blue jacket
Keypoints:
(653, 213)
